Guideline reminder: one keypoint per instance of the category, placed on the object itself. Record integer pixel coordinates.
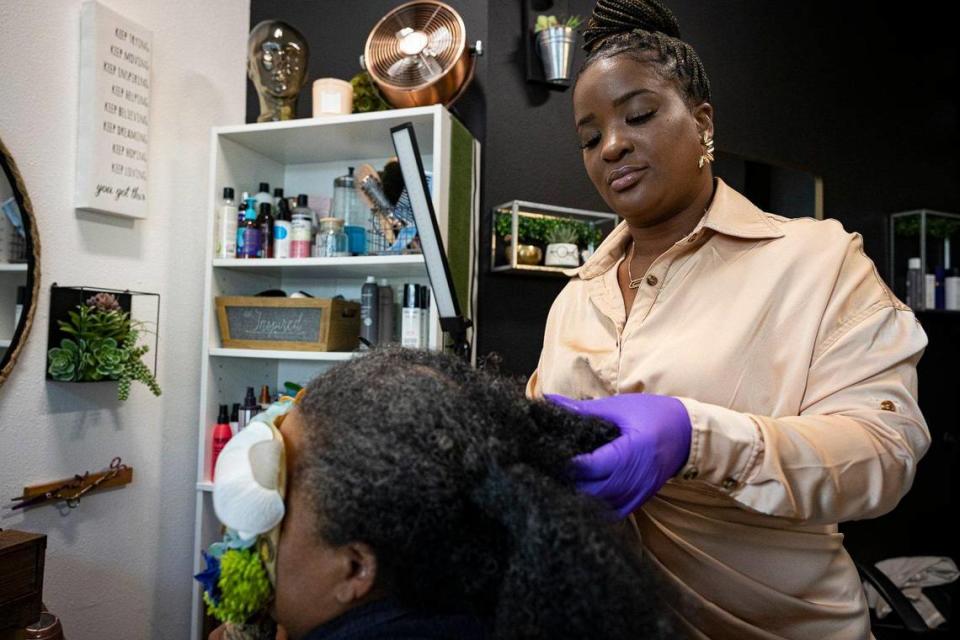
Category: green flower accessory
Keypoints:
(244, 588)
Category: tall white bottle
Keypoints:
(227, 226)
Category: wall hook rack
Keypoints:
(73, 489)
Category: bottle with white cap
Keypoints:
(915, 297)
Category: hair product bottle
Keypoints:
(235, 418)
(410, 317)
(221, 435)
(249, 409)
(263, 195)
(281, 228)
(370, 311)
(301, 229)
(424, 317)
(241, 218)
(915, 297)
(251, 234)
(265, 400)
(385, 333)
(265, 222)
(227, 226)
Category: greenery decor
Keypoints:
(532, 230)
(563, 232)
(103, 346)
(366, 98)
(548, 22)
(937, 227)
(539, 230)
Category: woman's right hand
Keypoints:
(653, 445)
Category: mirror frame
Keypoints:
(22, 331)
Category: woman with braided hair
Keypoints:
(762, 375)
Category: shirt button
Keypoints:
(652, 280)
(729, 484)
(690, 473)
(887, 405)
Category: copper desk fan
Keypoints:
(418, 55)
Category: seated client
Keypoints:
(426, 499)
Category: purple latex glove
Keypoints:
(653, 445)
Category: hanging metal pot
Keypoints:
(555, 46)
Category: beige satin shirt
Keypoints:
(798, 367)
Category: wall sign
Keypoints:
(114, 113)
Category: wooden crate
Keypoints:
(295, 324)
(21, 578)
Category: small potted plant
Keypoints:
(531, 231)
(561, 237)
(102, 346)
(556, 40)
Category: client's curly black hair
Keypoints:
(459, 485)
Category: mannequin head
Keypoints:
(277, 56)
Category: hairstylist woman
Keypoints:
(761, 373)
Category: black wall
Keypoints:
(861, 97)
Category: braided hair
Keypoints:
(459, 485)
(648, 32)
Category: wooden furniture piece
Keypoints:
(21, 578)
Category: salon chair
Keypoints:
(904, 621)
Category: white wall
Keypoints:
(120, 565)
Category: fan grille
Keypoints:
(445, 43)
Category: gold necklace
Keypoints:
(634, 283)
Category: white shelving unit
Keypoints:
(304, 156)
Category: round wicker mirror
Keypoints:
(19, 263)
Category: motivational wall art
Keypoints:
(114, 113)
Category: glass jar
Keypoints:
(347, 206)
(331, 240)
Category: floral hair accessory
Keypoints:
(248, 498)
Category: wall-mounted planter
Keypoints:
(555, 47)
(96, 335)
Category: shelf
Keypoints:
(268, 354)
(4, 343)
(13, 266)
(400, 266)
(333, 138)
(205, 486)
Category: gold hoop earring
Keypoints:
(709, 148)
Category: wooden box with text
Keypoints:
(296, 324)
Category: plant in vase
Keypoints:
(556, 39)
(103, 346)
(531, 231)
(562, 249)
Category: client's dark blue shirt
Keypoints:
(387, 620)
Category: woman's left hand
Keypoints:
(653, 445)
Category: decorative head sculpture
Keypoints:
(277, 56)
